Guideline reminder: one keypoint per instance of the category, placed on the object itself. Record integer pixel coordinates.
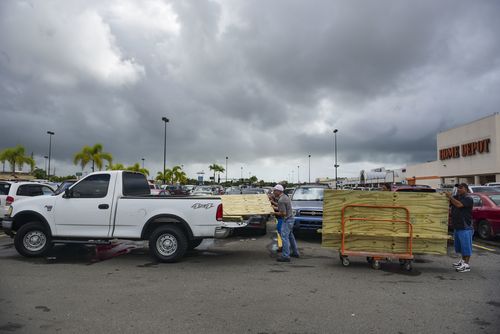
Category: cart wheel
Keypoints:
(345, 261)
(408, 266)
(369, 259)
(376, 264)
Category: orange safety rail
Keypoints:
(407, 255)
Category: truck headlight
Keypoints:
(9, 211)
(294, 212)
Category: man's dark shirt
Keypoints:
(461, 218)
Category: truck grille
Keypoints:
(311, 213)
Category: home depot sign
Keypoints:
(465, 150)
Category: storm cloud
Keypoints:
(261, 82)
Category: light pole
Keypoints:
(165, 120)
(241, 172)
(298, 173)
(309, 168)
(50, 133)
(336, 165)
(142, 163)
(226, 169)
(46, 157)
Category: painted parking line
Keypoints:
(485, 248)
(2, 235)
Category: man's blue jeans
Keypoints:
(289, 243)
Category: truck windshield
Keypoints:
(308, 194)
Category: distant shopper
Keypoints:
(461, 216)
(285, 210)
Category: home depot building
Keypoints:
(469, 153)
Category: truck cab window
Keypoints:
(94, 186)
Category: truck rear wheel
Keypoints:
(168, 243)
(32, 240)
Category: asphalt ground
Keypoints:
(235, 285)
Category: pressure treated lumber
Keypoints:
(428, 216)
(245, 205)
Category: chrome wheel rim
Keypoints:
(166, 244)
(34, 241)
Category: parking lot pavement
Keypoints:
(235, 285)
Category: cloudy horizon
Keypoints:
(261, 82)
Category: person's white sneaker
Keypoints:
(463, 268)
(458, 264)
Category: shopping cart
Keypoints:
(405, 258)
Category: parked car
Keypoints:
(483, 189)
(289, 191)
(175, 190)
(202, 191)
(154, 188)
(11, 191)
(232, 191)
(493, 184)
(485, 214)
(307, 205)
(65, 185)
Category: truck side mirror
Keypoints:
(68, 193)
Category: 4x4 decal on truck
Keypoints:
(202, 206)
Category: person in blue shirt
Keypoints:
(461, 218)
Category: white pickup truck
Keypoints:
(114, 205)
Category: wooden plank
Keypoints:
(246, 205)
(428, 216)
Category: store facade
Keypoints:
(469, 153)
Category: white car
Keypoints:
(11, 191)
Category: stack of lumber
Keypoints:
(428, 216)
(235, 207)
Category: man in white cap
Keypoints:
(284, 209)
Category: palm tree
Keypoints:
(166, 176)
(92, 154)
(137, 168)
(16, 156)
(178, 175)
(116, 167)
(216, 168)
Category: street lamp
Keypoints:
(165, 120)
(298, 180)
(142, 163)
(336, 165)
(309, 168)
(226, 169)
(50, 133)
(46, 157)
(242, 172)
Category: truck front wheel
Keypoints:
(168, 243)
(32, 240)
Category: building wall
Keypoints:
(454, 166)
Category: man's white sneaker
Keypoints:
(458, 264)
(463, 268)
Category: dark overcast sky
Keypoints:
(262, 82)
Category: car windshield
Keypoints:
(308, 194)
(4, 188)
(495, 199)
(485, 189)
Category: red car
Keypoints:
(486, 214)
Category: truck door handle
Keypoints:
(103, 206)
